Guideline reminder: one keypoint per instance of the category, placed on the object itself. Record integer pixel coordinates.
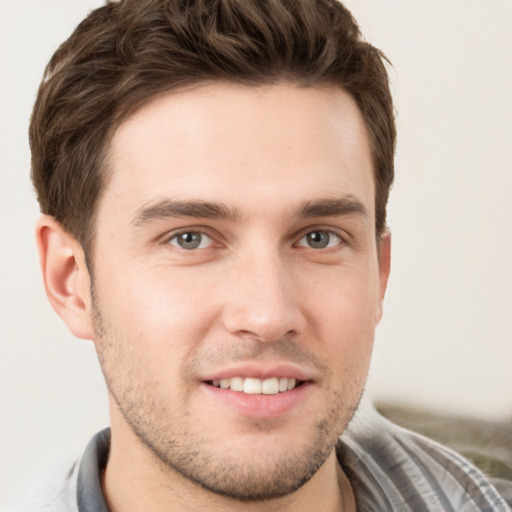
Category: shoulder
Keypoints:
(52, 491)
(392, 468)
(69, 486)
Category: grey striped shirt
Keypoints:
(393, 469)
(390, 469)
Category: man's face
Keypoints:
(236, 247)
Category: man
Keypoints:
(213, 177)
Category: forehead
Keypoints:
(242, 145)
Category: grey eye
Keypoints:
(190, 240)
(320, 239)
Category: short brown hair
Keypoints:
(126, 52)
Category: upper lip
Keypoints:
(261, 371)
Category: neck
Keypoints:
(136, 480)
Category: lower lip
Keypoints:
(260, 406)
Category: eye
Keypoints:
(320, 239)
(190, 240)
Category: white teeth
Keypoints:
(253, 386)
(270, 386)
(236, 384)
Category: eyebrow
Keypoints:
(167, 208)
(332, 208)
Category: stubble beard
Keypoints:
(190, 455)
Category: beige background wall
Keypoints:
(445, 342)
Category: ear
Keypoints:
(384, 268)
(65, 274)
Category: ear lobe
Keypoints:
(65, 275)
(384, 269)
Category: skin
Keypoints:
(256, 295)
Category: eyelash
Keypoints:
(176, 236)
(329, 232)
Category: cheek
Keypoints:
(343, 315)
(162, 315)
(347, 297)
(141, 347)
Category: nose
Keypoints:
(262, 301)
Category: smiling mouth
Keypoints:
(254, 386)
